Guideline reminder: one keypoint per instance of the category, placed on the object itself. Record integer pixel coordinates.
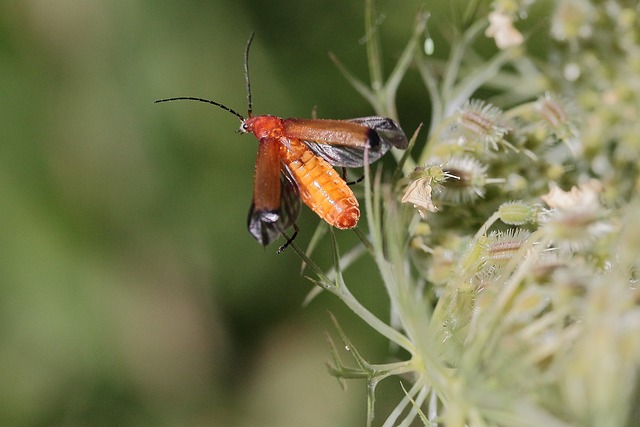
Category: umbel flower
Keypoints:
(558, 117)
(502, 30)
(418, 194)
(579, 199)
(470, 180)
(419, 191)
(576, 217)
(482, 122)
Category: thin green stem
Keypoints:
(487, 224)
(373, 46)
(431, 82)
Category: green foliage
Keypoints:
(515, 301)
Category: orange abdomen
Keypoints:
(321, 187)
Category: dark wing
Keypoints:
(385, 133)
(266, 225)
(289, 198)
(388, 130)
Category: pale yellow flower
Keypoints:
(502, 30)
(584, 197)
(576, 217)
(419, 195)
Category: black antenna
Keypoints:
(217, 104)
(192, 98)
(246, 74)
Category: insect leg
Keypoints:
(344, 177)
(289, 239)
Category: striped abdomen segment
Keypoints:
(321, 187)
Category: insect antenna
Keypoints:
(217, 104)
(246, 74)
(192, 98)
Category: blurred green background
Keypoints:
(130, 291)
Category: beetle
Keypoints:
(295, 162)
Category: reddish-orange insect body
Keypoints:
(295, 162)
(321, 188)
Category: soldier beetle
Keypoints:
(295, 161)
